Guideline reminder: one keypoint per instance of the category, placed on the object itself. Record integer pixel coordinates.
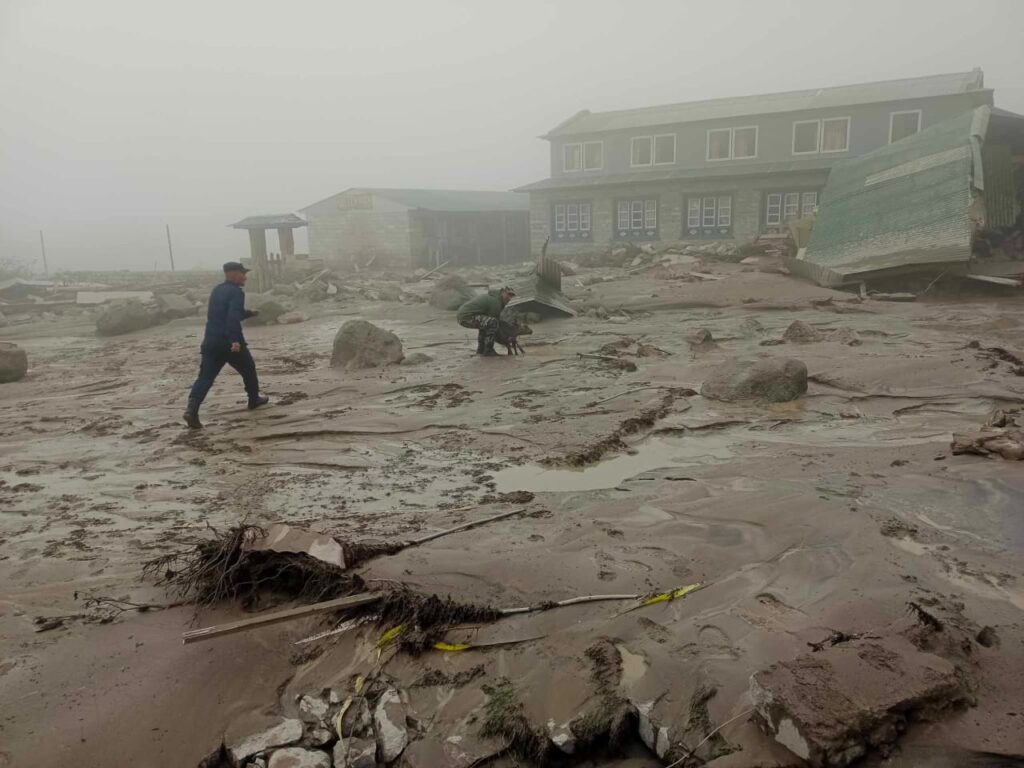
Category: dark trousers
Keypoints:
(215, 358)
(486, 327)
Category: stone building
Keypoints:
(723, 169)
(419, 227)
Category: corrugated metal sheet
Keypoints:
(900, 206)
(790, 101)
(270, 221)
(1001, 204)
(449, 200)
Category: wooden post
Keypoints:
(286, 237)
(258, 252)
(42, 244)
(170, 250)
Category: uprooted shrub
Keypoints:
(425, 619)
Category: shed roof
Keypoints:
(270, 221)
(449, 200)
(904, 205)
(788, 101)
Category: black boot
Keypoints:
(256, 402)
(191, 415)
(489, 351)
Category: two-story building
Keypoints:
(722, 169)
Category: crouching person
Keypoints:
(481, 313)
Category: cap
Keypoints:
(508, 290)
(235, 266)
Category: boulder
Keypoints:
(290, 318)
(359, 344)
(775, 379)
(355, 753)
(313, 709)
(389, 725)
(417, 358)
(3, 320)
(450, 293)
(125, 317)
(13, 362)
(269, 309)
(802, 333)
(567, 268)
(174, 305)
(284, 733)
(297, 757)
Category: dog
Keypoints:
(509, 331)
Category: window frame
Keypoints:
(637, 209)
(817, 146)
(584, 211)
(782, 193)
(920, 119)
(732, 142)
(821, 135)
(650, 146)
(565, 150)
(696, 205)
(600, 165)
(582, 145)
(654, 148)
(707, 145)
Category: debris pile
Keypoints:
(1002, 436)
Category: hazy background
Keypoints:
(118, 116)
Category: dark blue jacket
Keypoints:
(224, 316)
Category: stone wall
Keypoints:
(339, 233)
(747, 214)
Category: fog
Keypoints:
(122, 116)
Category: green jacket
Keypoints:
(485, 304)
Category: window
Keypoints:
(805, 137)
(781, 207)
(637, 219)
(571, 221)
(640, 152)
(744, 143)
(709, 216)
(588, 156)
(835, 134)
(665, 149)
(719, 144)
(903, 124)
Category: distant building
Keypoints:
(420, 227)
(723, 169)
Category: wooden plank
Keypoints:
(266, 619)
(997, 280)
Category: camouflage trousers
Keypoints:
(486, 325)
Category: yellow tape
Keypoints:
(673, 595)
(390, 635)
(341, 714)
(452, 646)
(360, 681)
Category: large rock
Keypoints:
(802, 333)
(832, 707)
(389, 725)
(297, 757)
(174, 305)
(284, 733)
(269, 309)
(13, 362)
(775, 379)
(360, 344)
(125, 317)
(3, 320)
(450, 293)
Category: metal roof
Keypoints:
(905, 205)
(752, 169)
(449, 200)
(789, 101)
(270, 221)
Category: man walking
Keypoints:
(482, 313)
(223, 343)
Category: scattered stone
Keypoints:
(801, 333)
(290, 318)
(318, 737)
(360, 344)
(775, 379)
(562, 737)
(988, 637)
(355, 753)
(417, 358)
(649, 249)
(3, 320)
(389, 725)
(845, 336)
(450, 293)
(618, 319)
(1006, 443)
(269, 310)
(751, 327)
(284, 733)
(174, 306)
(701, 339)
(655, 736)
(568, 268)
(297, 757)
(832, 707)
(13, 362)
(312, 709)
(125, 317)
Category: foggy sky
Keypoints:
(118, 116)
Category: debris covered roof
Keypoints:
(448, 200)
(270, 221)
(789, 101)
(904, 205)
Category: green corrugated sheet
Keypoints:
(1001, 204)
(903, 205)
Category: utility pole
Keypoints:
(170, 251)
(42, 244)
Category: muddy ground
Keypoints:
(829, 514)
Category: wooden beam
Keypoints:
(266, 619)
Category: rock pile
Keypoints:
(360, 344)
(775, 379)
(125, 317)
